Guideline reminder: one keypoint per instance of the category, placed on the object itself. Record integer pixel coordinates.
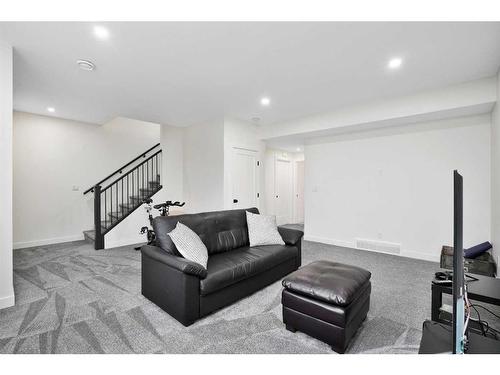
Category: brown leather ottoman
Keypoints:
(326, 300)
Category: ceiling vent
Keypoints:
(85, 65)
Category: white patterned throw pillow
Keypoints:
(262, 230)
(189, 244)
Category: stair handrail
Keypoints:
(129, 172)
(120, 170)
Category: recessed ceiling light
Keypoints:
(101, 32)
(51, 109)
(85, 64)
(395, 63)
(298, 148)
(256, 119)
(265, 101)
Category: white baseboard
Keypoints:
(330, 241)
(52, 241)
(123, 242)
(352, 245)
(421, 256)
(48, 241)
(7, 301)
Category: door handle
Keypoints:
(235, 200)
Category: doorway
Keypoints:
(244, 179)
(283, 191)
(299, 192)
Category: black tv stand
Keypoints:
(483, 289)
(436, 339)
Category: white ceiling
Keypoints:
(186, 73)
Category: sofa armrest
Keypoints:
(178, 263)
(293, 237)
(290, 236)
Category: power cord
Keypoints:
(485, 326)
(479, 321)
(484, 308)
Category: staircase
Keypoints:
(123, 192)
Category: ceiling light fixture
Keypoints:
(298, 148)
(51, 109)
(265, 101)
(395, 63)
(256, 119)
(85, 65)
(101, 32)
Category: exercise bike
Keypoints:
(164, 209)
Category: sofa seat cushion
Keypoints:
(228, 268)
(334, 283)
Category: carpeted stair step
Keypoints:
(127, 207)
(105, 224)
(147, 192)
(116, 216)
(137, 199)
(89, 235)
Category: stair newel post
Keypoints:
(99, 237)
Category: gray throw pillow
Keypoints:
(262, 230)
(189, 244)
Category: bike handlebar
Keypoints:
(169, 204)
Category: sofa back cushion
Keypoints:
(220, 231)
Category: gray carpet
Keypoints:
(73, 299)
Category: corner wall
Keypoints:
(172, 139)
(55, 161)
(395, 185)
(197, 162)
(495, 177)
(203, 165)
(6, 266)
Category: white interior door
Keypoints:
(299, 191)
(244, 179)
(283, 191)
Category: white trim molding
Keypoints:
(352, 245)
(110, 244)
(330, 241)
(47, 241)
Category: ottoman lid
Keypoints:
(334, 283)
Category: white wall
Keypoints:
(6, 277)
(242, 135)
(172, 139)
(197, 162)
(395, 185)
(469, 98)
(51, 156)
(495, 177)
(204, 167)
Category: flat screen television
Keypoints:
(458, 266)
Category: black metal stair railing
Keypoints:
(117, 200)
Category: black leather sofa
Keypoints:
(187, 291)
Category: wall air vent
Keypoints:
(381, 246)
